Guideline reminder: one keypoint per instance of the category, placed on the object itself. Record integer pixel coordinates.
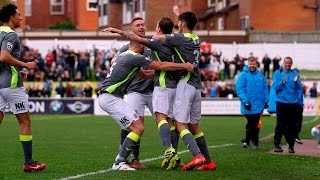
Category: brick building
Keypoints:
(40, 14)
(262, 15)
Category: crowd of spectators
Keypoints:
(63, 64)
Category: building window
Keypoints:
(103, 13)
(211, 3)
(92, 5)
(56, 7)
(28, 9)
(127, 11)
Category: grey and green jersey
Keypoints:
(9, 75)
(138, 84)
(187, 48)
(161, 51)
(121, 72)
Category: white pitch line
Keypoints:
(306, 122)
(160, 157)
(144, 160)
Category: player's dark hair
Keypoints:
(189, 18)
(6, 12)
(166, 25)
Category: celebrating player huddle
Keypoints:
(176, 98)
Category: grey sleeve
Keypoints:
(142, 62)
(9, 41)
(173, 39)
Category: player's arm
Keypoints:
(169, 66)
(146, 73)
(160, 37)
(129, 36)
(7, 58)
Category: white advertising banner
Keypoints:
(231, 107)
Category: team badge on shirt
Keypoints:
(9, 46)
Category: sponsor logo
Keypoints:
(124, 121)
(9, 46)
(56, 106)
(78, 107)
(20, 106)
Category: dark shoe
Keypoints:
(298, 140)
(278, 149)
(291, 150)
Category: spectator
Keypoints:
(313, 90)
(276, 64)
(88, 90)
(226, 69)
(266, 61)
(239, 64)
(60, 89)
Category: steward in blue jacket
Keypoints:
(252, 89)
(288, 88)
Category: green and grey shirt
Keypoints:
(121, 72)
(9, 75)
(138, 84)
(187, 48)
(161, 51)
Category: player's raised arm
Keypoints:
(129, 36)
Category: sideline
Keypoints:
(160, 157)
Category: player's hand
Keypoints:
(176, 10)
(189, 67)
(24, 74)
(31, 65)
(111, 30)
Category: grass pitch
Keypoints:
(84, 147)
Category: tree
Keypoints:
(2, 3)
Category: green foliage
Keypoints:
(68, 24)
(4, 2)
(72, 145)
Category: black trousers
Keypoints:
(299, 120)
(287, 118)
(252, 130)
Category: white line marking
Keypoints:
(160, 157)
(145, 160)
(271, 135)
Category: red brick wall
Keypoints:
(156, 10)
(41, 17)
(284, 15)
(20, 6)
(88, 20)
(115, 15)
